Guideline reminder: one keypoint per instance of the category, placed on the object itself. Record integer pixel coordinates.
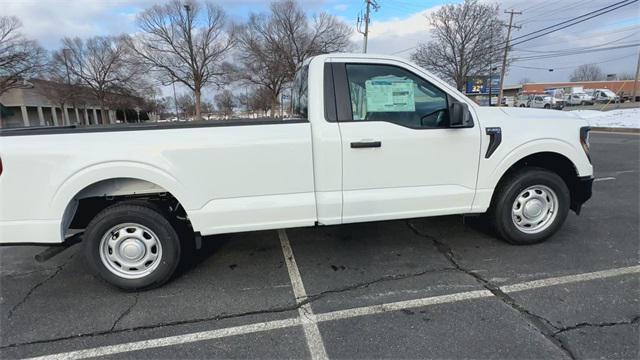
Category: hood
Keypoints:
(528, 113)
(527, 118)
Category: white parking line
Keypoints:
(536, 284)
(172, 340)
(401, 305)
(305, 313)
(311, 319)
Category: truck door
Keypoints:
(400, 157)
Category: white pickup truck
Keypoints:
(374, 138)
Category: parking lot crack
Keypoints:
(542, 325)
(634, 320)
(55, 272)
(158, 325)
(366, 284)
(126, 311)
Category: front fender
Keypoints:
(549, 145)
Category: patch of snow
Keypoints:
(620, 118)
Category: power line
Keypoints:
(567, 23)
(635, 29)
(549, 56)
(572, 22)
(574, 66)
(577, 48)
(546, 10)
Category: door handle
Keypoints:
(366, 144)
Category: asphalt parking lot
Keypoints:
(423, 288)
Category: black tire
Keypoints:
(500, 213)
(547, 106)
(136, 212)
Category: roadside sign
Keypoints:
(481, 84)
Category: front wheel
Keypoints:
(530, 206)
(132, 245)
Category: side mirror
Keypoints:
(459, 116)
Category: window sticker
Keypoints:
(390, 95)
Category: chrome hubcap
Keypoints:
(130, 250)
(534, 209)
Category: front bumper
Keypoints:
(581, 191)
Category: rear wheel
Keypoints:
(132, 245)
(530, 206)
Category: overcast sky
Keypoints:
(397, 27)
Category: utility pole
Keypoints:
(367, 18)
(635, 82)
(506, 51)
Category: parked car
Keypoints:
(578, 99)
(557, 97)
(523, 100)
(373, 138)
(507, 101)
(546, 102)
(605, 95)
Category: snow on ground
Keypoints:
(620, 118)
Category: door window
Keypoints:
(389, 93)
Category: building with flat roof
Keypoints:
(46, 103)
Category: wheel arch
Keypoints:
(113, 180)
(555, 162)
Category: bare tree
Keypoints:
(587, 72)
(207, 108)
(60, 85)
(259, 101)
(225, 102)
(465, 41)
(626, 76)
(101, 64)
(187, 42)
(159, 106)
(525, 80)
(186, 104)
(272, 46)
(20, 58)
